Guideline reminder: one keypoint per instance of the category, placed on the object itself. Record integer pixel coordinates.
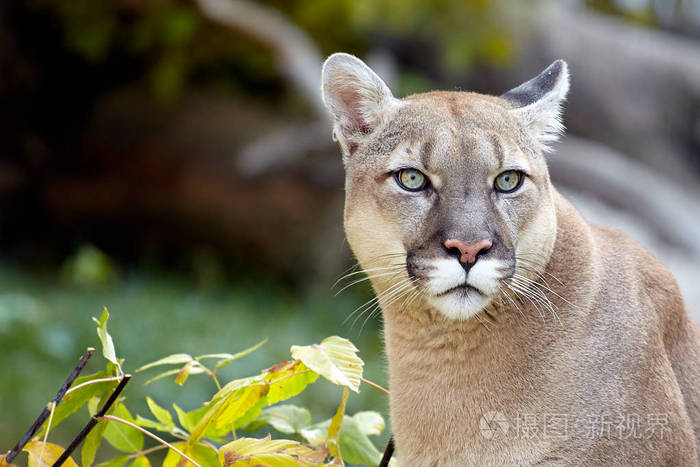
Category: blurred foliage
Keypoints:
(169, 44)
(89, 266)
(463, 31)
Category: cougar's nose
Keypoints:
(467, 251)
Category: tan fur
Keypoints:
(617, 343)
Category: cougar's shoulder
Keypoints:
(654, 296)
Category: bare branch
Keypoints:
(91, 424)
(48, 410)
(297, 55)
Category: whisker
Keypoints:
(536, 294)
(523, 294)
(396, 289)
(548, 289)
(384, 257)
(405, 290)
(482, 321)
(402, 292)
(411, 297)
(369, 277)
(541, 272)
(373, 300)
(367, 271)
(508, 297)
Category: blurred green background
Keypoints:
(174, 164)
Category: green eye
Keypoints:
(411, 179)
(508, 181)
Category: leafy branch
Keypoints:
(207, 436)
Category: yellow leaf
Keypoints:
(141, 461)
(218, 404)
(335, 358)
(205, 456)
(41, 455)
(336, 422)
(288, 379)
(237, 406)
(271, 453)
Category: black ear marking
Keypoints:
(533, 90)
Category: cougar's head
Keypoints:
(446, 192)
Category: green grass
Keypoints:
(45, 326)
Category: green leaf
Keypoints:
(148, 423)
(226, 358)
(141, 461)
(352, 439)
(204, 455)
(43, 454)
(107, 344)
(189, 421)
(288, 419)
(174, 359)
(369, 422)
(334, 428)
(161, 414)
(335, 359)
(76, 399)
(271, 453)
(355, 445)
(316, 434)
(162, 375)
(119, 461)
(121, 436)
(184, 418)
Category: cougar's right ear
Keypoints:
(356, 97)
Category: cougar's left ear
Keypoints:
(357, 98)
(538, 102)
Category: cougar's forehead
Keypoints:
(443, 133)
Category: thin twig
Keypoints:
(93, 421)
(45, 413)
(148, 433)
(52, 408)
(388, 452)
(147, 451)
(375, 386)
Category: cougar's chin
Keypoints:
(458, 294)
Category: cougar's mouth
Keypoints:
(462, 288)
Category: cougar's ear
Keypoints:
(538, 102)
(356, 97)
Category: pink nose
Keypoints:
(468, 251)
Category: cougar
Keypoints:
(515, 332)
